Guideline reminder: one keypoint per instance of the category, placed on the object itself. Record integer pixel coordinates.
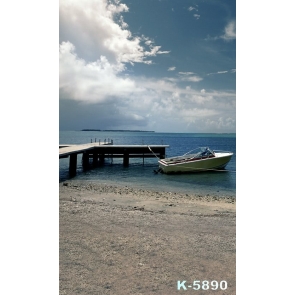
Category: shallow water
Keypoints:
(141, 175)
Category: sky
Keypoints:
(152, 65)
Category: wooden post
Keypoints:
(95, 158)
(162, 153)
(73, 165)
(85, 160)
(101, 159)
(126, 159)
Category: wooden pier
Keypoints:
(99, 151)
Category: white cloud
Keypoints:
(185, 73)
(191, 8)
(229, 31)
(92, 81)
(92, 27)
(187, 76)
(154, 51)
(192, 79)
(138, 100)
(221, 123)
(148, 42)
(222, 72)
(95, 46)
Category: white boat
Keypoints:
(202, 160)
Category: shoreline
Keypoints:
(155, 187)
(126, 240)
(125, 195)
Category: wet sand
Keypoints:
(124, 240)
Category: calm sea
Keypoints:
(142, 175)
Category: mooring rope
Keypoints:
(153, 152)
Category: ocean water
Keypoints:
(142, 175)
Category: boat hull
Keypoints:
(216, 163)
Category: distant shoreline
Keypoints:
(115, 130)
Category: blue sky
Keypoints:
(167, 66)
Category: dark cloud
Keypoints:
(75, 115)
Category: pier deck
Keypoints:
(99, 151)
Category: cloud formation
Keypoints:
(138, 101)
(189, 76)
(191, 8)
(96, 46)
(223, 72)
(229, 32)
(97, 27)
(91, 81)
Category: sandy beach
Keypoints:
(124, 240)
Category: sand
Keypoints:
(124, 240)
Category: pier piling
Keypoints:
(99, 151)
(125, 158)
(85, 160)
(73, 164)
